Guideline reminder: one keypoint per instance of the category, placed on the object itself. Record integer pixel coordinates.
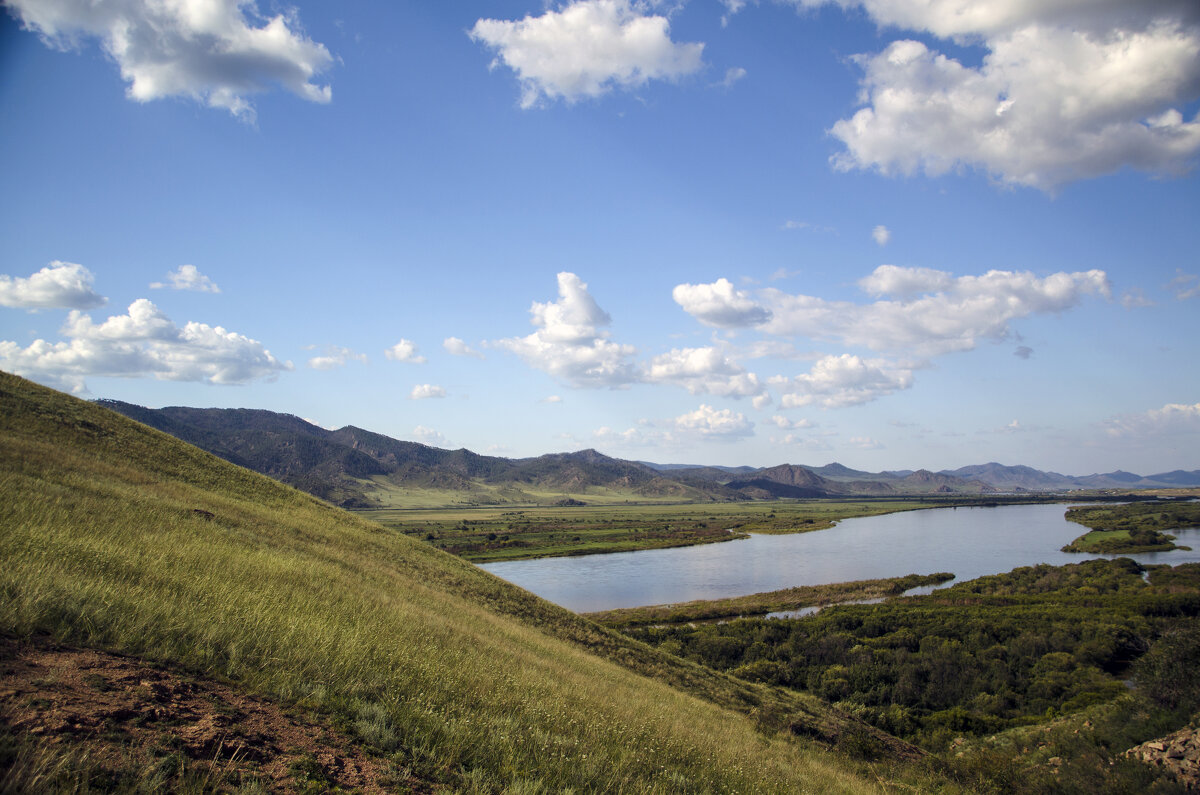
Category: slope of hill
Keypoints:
(118, 537)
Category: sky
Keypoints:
(895, 234)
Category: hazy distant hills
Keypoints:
(1023, 478)
(351, 466)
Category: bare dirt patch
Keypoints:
(134, 721)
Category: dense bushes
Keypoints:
(982, 656)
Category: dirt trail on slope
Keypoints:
(135, 719)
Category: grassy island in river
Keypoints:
(1134, 527)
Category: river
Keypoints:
(970, 542)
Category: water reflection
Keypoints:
(970, 542)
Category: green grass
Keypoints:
(118, 537)
(485, 534)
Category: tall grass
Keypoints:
(119, 537)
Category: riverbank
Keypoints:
(760, 604)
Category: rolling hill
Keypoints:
(356, 468)
(120, 538)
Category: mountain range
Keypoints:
(357, 468)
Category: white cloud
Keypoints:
(1067, 90)
(1185, 285)
(59, 285)
(404, 351)
(631, 437)
(881, 235)
(865, 443)
(703, 371)
(792, 225)
(569, 343)
(904, 282)
(805, 442)
(219, 52)
(187, 277)
(430, 437)
(335, 356)
(956, 313)
(731, 8)
(845, 380)
(551, 399)
(732, 75)
(586, 48)
(781, 421)
(425, 391)
(719, 304)
(1013, 427)
(456, 347)
(1135, 298)
(142, 343)
(710, 423)
(1173, 419)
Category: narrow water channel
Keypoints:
(970, 542)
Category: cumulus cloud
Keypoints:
(456, 347)
(142, 343)
(1023, 352)
(865, 443)
(1066, 90)
(335, 356)
(219, 52)
(927, 312)
(586, 48)
(881, 235)
(703, 371)
(429, 437)
(631, 437)
(551, 399)
(187, 277)
(426, 391)
(1171, 420)
(569, 342)
(710, 423)
(720, 304)
(59, 285)
(904, 282)
(781, 421)
(845, 380)
(404, 351)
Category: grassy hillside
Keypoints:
(118, 537)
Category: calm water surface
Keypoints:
(970, 542)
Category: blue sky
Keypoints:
(890, 233)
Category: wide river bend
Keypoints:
(970, 542)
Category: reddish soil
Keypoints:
(129, 715)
